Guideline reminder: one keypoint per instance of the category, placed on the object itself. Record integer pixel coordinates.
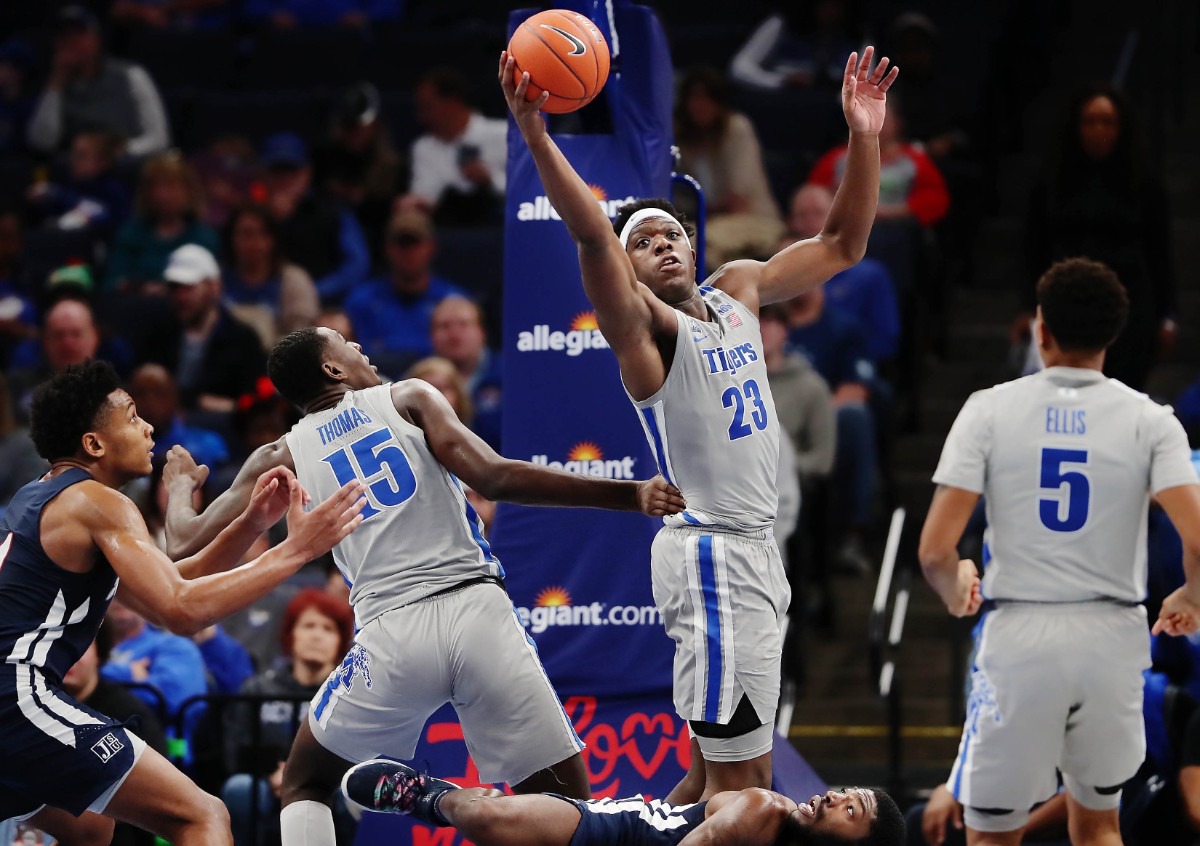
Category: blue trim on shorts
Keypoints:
(712, 618)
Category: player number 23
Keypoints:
(1070, 488)
(378, 461)
(736, 398)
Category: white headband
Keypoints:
(646, 214)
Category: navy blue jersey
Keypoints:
(633, 821)
(48, 615)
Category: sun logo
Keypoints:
(585, 321)
(555, 595)
(585, 451)
(598, 192)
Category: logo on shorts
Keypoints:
(356, 662)
(107, 746)
(982, 702)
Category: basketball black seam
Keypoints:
(553, 52)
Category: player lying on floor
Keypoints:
(750, 817)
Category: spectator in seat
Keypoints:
(316, 231)
(88, 90)
(458, 165)
(141, 653)
(227, 169)
(70, 335)
(910, 185)
(392, 314)
(442, 375)
(213, 356)
(157, 397)
(358, 164)
(168, 213)
(457, 333)
(718, 146)
(263, 288)
(317, 630)
(836, 346)
(800, 45)
(19, 460)
(1100, 197)
(865, 291)
(89, 195)
(16, 104)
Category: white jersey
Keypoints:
(1065, 460)
(712, 425)
(419, 535)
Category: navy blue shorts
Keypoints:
(56, 750)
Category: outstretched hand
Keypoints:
(657, 498)
(527, 113)
(182, 467)
(1178, 615)
(317, 531)
(864, 93)
(271, 497)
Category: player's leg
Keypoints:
(513, 723)
(994, 838)
(1090, 827)
(692, 784)
(158, 797)
(484, 816)
(69, 830)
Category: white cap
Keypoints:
(191, 264)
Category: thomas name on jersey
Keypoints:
(1065, 421)
(721, 360)
(342, 424)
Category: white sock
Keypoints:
(307, 823)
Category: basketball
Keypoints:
(564, 53)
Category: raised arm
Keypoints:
(843, 241)
(468, 457)
(187, 530)
(608, 277)
(153, 586)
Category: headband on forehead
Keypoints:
(647, 214)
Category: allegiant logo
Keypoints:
(553, 607)
(583, 335)
(540, 208)
(586, 459)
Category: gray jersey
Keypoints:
(712, 425)
(1065, 460)
(419, 535)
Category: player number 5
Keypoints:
(1077, 495)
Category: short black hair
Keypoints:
(888, 829)
(1084, 304)
(629, 209)
(68, 406)
(294, 365)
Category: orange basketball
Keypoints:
(564, 53)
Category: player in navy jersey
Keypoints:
(1065, 460)
(691, 360)
(435, 624)
(68, 543)
(750, 817)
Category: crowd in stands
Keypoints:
(176, 195)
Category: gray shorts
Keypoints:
(723, 596)
(1053, 687)
(467, 648)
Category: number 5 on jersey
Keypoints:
(1078, 494)
(377, 460)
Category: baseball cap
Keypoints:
(284, 149)
(75, 18)
(412, 224)
(191, 264)
(358, 105)
(77, 275)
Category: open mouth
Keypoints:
(669, 261)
